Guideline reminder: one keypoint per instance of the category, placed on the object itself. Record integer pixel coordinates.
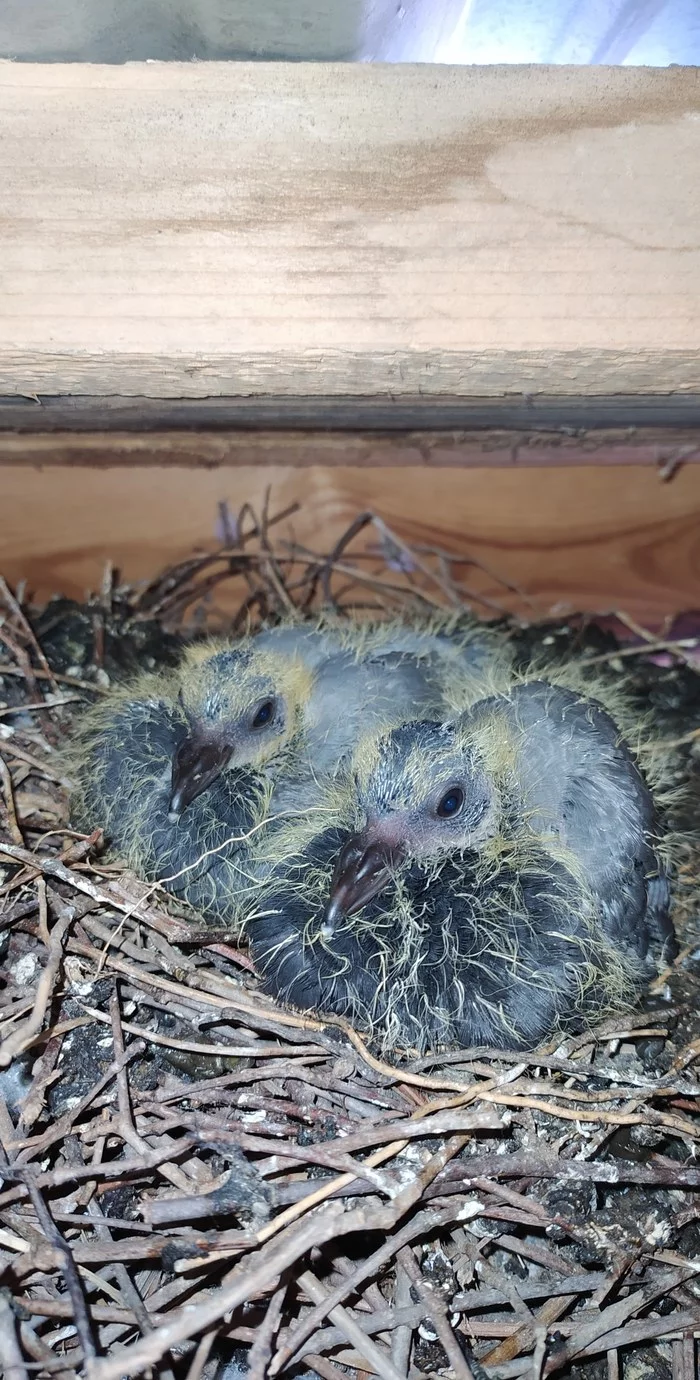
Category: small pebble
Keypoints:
(24, 969)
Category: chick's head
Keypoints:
(242, 706)
(424, 790)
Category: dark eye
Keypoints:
(263, 714)
(451, 803)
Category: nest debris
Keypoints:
(196, 1181)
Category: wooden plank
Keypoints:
(312, 230)
(665, 449)
(569, 415)
(595, 539)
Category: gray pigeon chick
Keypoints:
(487, 881)
(183, 768)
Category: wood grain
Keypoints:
(595, 539)
(366, 450)
(192, 230)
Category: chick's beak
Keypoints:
(363, 868)
(197, 763)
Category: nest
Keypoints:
(197, 1181)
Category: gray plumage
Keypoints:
(489, 879)
(577, 784)
(192, 762)
(366, 676)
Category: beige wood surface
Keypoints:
(664, 448)
(202, 229)
(594, 538)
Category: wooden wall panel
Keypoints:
(657, 446)
(595, 538)
(309, 229)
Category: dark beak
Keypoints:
(196, 764)
(363, 868)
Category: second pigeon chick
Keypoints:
(492, 879)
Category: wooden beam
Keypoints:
(593, 539)
(567, 415)
(312, 230)
(664, 448)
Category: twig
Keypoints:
(245, 1282)
(55, 676)
(437, 1313)
(684, 1358)
(251, 1051)
(9, 795)
(261, 1350)
(379, 1361)
(201, 1355)
(358, 525)
(613, 1364)
(679, 645)
(539, 1352)
(23, 1037)
(12, 1363)
(81, 1315)
(26, 627)
(600, 1328)
(12, 749)
(51, 702)
(402, 1338)
(420, 1225)
(325, 1368)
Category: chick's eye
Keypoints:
(451, 803)
(263, 715)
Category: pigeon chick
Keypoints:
(182, 769)
(173, 767)
(488, 881)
